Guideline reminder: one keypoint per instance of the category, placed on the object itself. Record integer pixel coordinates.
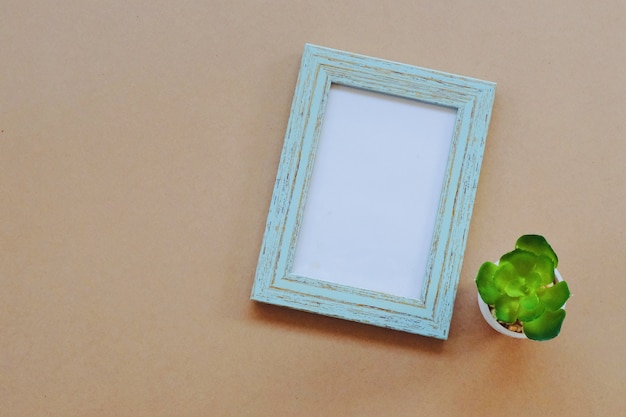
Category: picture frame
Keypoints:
(373, 197)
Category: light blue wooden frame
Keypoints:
(430, 315)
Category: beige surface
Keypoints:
(138, 148)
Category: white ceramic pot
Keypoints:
(491, 320)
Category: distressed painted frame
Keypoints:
(430, 315)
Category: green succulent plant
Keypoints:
(521, 288)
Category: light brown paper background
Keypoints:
(138, 147)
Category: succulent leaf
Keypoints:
(534, 282)
(506, 308)
(484, 282)
(529, 302)
(555, 296)
(545, 327)
(538, 245)
(530, 308)
(516, 287)
(504, 275)
(522, 260)
(544, 267)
